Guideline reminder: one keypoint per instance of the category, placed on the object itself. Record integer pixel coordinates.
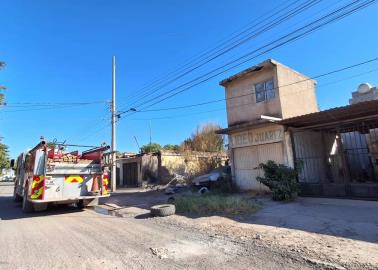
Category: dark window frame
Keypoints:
(265, 90)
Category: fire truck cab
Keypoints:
(45, 175)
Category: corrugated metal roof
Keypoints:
(363, 110)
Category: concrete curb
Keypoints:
(107, 209)
(116, 211)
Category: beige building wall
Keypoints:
(295, 98)
(241, 99)
(294, 95)
(292, 98)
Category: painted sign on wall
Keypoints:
(257, 136)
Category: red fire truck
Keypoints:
(47, 174)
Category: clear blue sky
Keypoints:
(60, 52)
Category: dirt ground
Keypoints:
(68, 238)
(332, 233)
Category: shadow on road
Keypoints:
(12, 210)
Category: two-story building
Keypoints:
(257, 99)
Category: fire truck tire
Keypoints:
(80, 204)
(16, 197)
(27, 207)
(163, 210)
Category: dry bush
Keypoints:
(204, 139)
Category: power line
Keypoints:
(244, 104)
(32, 104)
(198, 57)
(48, 108)
(244, 37)
(242, 34)
(238, 42)
(280, 86)
(340, 13)
(332, 19)
(251, 93)
(249, 103)
(179, 116)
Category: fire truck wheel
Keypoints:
(163, 210)
(27, 207)
(16, 197)
(80, 204)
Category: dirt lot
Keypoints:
(329, 233)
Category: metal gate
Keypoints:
(338, 162)
(130, 174)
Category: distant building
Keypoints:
(257, 98)
(365, 92)
(160, 167)
(362, 143)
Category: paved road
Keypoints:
(66, 238)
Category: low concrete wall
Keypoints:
(161, 167)
(189, 164)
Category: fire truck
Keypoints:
(47, 175)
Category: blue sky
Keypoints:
(60, 52)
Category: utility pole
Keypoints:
(150, 132)
(114, 118)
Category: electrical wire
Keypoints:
(244, 104)
(275, 22)
(349, 12)
(339, 15)
(281, 86)
(108, 124)
(48, 108)
(255, 22)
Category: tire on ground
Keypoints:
(16, 197)
(80, 204)
(163, 210)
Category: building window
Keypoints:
(265, 91)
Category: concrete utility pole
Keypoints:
(150, 132)
(114, 118)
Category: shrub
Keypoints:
(224, 184)
(280, 179)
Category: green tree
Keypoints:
(172, 147)
(4, 157)
(205, 139)
(150, 148)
